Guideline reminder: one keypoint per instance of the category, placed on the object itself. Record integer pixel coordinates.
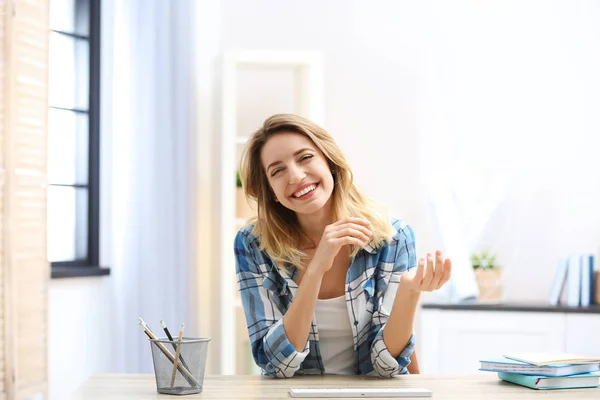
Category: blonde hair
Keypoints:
(276, 226)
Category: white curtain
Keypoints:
(462, 201)
(152, 173)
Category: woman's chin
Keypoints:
(310, 208)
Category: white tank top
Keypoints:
(336, 341)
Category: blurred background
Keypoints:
(122, 125)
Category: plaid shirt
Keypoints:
(371, 283)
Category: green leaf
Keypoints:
(483, 260)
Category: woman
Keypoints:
(329, 286)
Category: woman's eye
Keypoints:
(306, 157)
(275, 172)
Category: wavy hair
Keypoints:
(276, 226)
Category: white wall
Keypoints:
(415, 88)
(80, 336)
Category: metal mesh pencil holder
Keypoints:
(183, 375)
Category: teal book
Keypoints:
(546, 382)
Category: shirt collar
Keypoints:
(369, 247)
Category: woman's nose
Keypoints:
(297, 174)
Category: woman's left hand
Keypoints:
(430, 274)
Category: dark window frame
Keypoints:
(90, 266)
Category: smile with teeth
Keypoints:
(305, 191)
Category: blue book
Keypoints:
(502, 364)
(559, 281)
(592, 283)
(573, 283)
(546, 382)
(587, 277)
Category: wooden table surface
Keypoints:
(480, 386)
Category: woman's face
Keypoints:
(297, 172)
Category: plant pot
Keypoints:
(244, 209)
(489, 282)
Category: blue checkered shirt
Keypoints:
(267, 291)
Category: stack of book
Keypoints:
(546, 371)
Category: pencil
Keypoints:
(177, 354)
(187, 375)
(168, 333)
(164, 326)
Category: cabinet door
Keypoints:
(582, 334)
(428, 340)
(462, 338)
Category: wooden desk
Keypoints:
(479, 386)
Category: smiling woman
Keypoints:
(328, 285)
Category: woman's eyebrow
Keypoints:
(295, 154)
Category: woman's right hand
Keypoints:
(347, 231)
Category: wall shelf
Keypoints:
(306, 74)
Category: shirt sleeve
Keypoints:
(403, 249)
(271, 348)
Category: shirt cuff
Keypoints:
(384, 364)
(284, 359)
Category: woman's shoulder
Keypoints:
(245, 236)
(402, 230)
(249, 256)
(247, 250)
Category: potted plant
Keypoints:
(488, 275)
(244, 208)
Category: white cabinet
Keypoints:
(453, 341)
(583, 334)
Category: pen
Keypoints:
(187, 375)
(177, 354)
(164, 326)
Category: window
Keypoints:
(73, 138)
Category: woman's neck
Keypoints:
(313, 225)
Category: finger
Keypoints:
(438, 271)
(353, 233)
(358, 227)
(427, 278)
(420, 272)
(348, 240)
(354, 220)
(447, 273)
(362, 228)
